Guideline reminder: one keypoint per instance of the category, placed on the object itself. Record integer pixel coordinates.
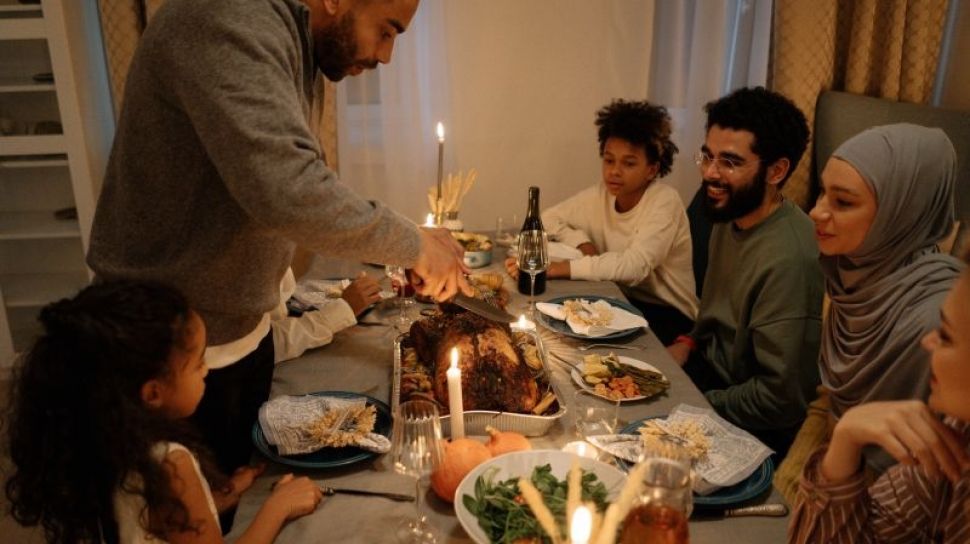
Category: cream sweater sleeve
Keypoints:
(568, 220)
(656, 233)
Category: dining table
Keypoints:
(360, 360)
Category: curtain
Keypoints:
(702, 51)
(882, 48)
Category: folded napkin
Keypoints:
(559, 251)
(733, 454)
(315, 294)
(622, 320)
(306, 424)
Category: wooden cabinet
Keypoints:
(56, 126)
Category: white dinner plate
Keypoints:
(578, 378)
(520, 464)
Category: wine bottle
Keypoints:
(533, 222)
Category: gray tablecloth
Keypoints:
(360, 359)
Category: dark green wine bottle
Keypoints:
(533, 221)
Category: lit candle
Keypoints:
(582, 525)
(524, 324)
(429, 220)
(455, 408)
(440, 129)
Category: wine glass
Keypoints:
(665, 498)
(401, 286)
(533, 258)
(416, 452)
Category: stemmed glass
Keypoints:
(416, 452)
(533, 258)
(400, 284)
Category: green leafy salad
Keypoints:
(504, 516)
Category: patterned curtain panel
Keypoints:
(123, 21)
(882, 48)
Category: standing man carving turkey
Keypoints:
(215, 176)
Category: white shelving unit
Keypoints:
(54, 142)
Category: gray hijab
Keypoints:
(886, 295)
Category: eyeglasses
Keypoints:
(723, 165)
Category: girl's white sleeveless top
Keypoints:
(129, 507)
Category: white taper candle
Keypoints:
(455, 408)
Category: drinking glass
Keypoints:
(595, 415)
(533, 258)
(665, 500)
(401, 286)
(416, 452)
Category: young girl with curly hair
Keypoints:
(97, 434)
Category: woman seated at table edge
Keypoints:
(629, 228)
(886, 200)
(926, 496)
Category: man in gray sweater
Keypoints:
(754, 348)
(215, 175)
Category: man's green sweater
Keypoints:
(759, 323)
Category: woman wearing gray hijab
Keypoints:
(887, 200)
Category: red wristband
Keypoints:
(684, 339)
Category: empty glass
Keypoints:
(416, 452)
(595, 415)
(533, 258)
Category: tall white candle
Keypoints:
(440, 129)
(582, 525)
(429, 220)
(455, 408)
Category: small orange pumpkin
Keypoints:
(459, 457)
(500, 442)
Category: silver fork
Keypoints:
(585, 347)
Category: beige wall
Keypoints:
(526, 78)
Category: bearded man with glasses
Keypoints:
(754, 348)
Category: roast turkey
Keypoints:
(494, 375)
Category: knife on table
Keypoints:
(328, 491)
(776, 510)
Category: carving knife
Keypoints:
(482, 308)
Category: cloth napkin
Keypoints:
(559, 251)
(312, 294)
(734, 453)
(622, 319)
(285, 420)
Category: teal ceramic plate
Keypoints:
(749, 488)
